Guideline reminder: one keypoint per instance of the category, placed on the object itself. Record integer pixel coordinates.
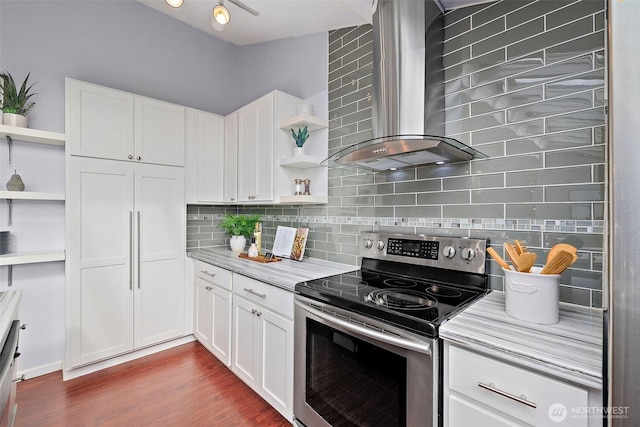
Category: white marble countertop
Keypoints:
(283, 274)
(571, 349)
(9, 302)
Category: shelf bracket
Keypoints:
(10, 145)
(10, 275)
(10, 203)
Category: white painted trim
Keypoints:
(94, 367)
(41, 370)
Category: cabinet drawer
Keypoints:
(212, 274)
(276, 299)
(526, 395)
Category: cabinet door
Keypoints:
(275, 382)
(463, 413)
(221, 332)
(203, 312)
(256, 150)
(210, 143)
(160, 247)
(99, 260)
(99, 121)
(245, 341)
(159, 132)
(230, 187)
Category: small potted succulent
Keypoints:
(240, 227)
(300, 138)
(16, 104)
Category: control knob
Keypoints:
(368, 243)
(468, 254)
(449, 251)
(380, 245)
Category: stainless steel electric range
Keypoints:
(366, 343)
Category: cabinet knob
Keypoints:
(130, 156)
(138, 158)
(258, 313)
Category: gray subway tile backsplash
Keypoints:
(551, 37)
(543, 181)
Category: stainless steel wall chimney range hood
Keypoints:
(407, 93)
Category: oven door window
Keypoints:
(350, 382)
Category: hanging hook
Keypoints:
(10, 144)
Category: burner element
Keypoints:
(442, 291)
(400, 283)
(354, 288)
(401, 299)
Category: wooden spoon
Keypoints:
(512, 254)
(498, 258)
(559, 247)
(526, 261)
(560, 262)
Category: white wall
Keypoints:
(125, 45)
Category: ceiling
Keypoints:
(279, 19)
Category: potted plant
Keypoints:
(16, 104)
(300, 138)
(240, 227)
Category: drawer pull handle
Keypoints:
(207, 273)
(523, 399)
(251, 291)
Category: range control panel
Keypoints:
(455, 253)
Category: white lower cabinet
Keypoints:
(125, 246)
(262, 354)
(212, 310)
(480, 390)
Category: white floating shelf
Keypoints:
(31, 195)
(32, 135)
(31, 257)
(303, 199)
(313, 123)
(303, 161)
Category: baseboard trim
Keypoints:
(40, 370)
(69, 374)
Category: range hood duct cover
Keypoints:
(407, 93)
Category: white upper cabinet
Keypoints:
(205, 157)
(112, 124)
(230, 186)
(256, 150)
(159, 132)
(99, 121)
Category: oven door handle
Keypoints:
(368, 332)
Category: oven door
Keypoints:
(349, 371)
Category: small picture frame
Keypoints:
(268, 255)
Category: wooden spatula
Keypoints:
(498, 258)
(520, 247)
(560, 262)
(526, 261)
(559, 247)
(512, 254)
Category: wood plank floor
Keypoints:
(183, 386)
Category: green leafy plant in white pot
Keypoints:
(300, 138)
(240, 227)
(16, 104)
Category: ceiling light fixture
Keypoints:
(221, 14)
(174, 3)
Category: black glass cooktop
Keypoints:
(412, 297)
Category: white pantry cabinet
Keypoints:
(126, 244)
(262, 352)
(111, 124)
(481, 390)
(205, 157)
(212, 316)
